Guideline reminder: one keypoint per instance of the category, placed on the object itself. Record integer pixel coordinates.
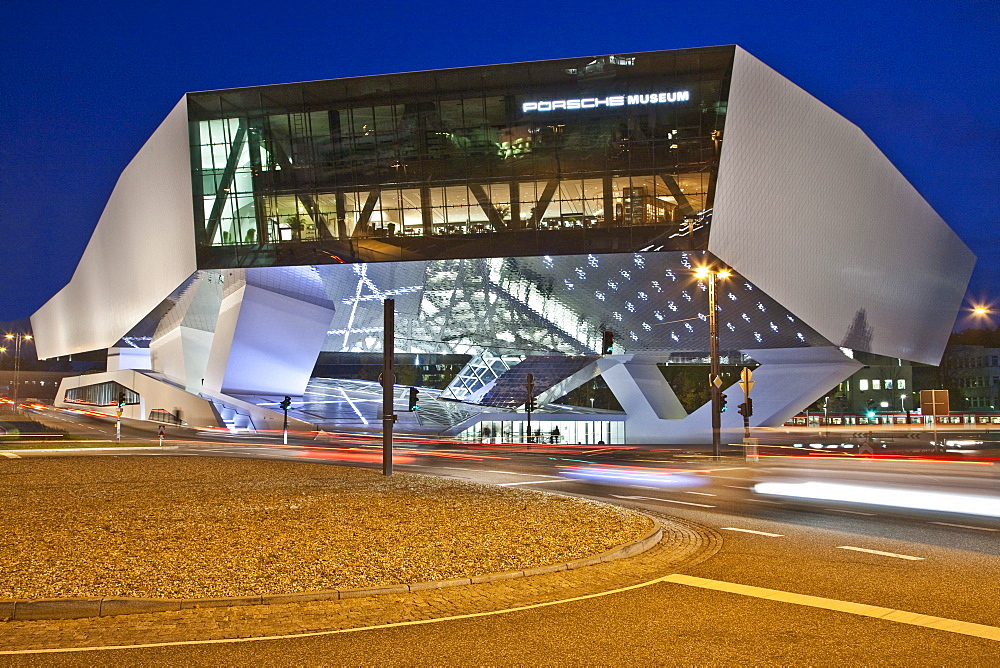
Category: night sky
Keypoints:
(85, 84)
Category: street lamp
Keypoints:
(710, 276)
(17, 339)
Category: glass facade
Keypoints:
(610, 154)
(101, 394)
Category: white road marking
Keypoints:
(532, 475)
(773, 503)
(963, 526)
(762, 533)
(650, 498)
(884, 554)
(849, 512)
(532, 482)
(454, 468)
(738, 486)
(10, 455)
(701, 493)
(862, 609)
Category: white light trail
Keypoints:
(986, 506)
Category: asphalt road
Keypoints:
(940, 564)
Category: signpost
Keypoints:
(529, 404)
(746, 410)
(934, 403)
(388, 382)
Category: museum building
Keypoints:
(515, 214)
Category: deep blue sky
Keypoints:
(84, 84)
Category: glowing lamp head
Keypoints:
(27, 336)
(980, 310)
(700, 272)
(724, 273)
(10, 336)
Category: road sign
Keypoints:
(746, 386)
(934, 402)
(745, 374)
(717, 382)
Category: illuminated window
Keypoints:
(863, 384)
(888, 383)
(876, 384)
(900, 384)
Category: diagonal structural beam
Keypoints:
(682, 201)
(543, 202)
(226, 182)
(487, 206)
(362, 228)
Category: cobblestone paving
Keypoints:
(684, 544)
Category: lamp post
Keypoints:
(710, 276)
(17, 339)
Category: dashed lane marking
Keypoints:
(849, 512)
(531, 482)
(884, 554)
(738, 486)
(862, 609)
(701, 493)
(650, 498)
(964, 526)
(10, 455)
(533, 475)
(760, 533)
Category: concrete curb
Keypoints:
(74, 608)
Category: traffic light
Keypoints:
(286, 403)
(413, 399)
(722, 403)
(607, 342)
(122, 400)
(746, 408)
(870, 403)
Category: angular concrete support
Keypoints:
(641, 389)
(786, 380)
(183, 340)
(267, 340)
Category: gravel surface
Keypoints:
(190, 527)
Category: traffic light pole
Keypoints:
(529, 385)
(284, 429)
(713, 376)
(388, 382)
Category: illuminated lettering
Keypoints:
(610, 101)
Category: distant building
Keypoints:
(515, 213)
(972, 375)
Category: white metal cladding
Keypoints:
(810, 211)
(142, 249)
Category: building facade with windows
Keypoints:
(514, 213)
(973, 374)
